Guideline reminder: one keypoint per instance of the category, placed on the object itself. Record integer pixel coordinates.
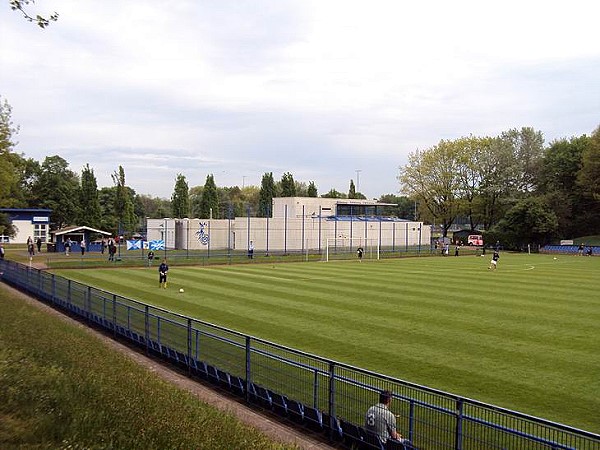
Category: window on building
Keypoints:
(40, 230)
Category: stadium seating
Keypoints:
(372, 440)
(352, 434)
(296, 411)
(313, 418)
(279, 403)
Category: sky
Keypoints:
(328, 90)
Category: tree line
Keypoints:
(76, 199)
(512, 185)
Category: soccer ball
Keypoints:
(555, 257)
(181, 290)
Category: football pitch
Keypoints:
(525, 337)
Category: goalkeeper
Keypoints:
(162, 274)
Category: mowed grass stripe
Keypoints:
(524, 336)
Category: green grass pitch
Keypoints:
(524, 337)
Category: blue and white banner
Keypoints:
(158, 244)
(134, 245)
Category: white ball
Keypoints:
(555, 257)
(181, 290)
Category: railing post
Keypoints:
(316, 390)
(114, 314)
(411, 421)
(248, 369)
(459, 425)
(69, 292)
(147, 328)
(53, 289)
(189, 344)
(88, 301)
(331, 399)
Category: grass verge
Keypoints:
(63, 388)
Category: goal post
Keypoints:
(341, 248)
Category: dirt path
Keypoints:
(273, 428)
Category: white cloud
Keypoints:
(317, 88)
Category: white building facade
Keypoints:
(297, 224)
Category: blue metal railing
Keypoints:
(261, 371)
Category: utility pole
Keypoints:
(358, 171)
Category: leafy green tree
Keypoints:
(312, 190)
(527, 148)
(267, 192)
(153, 207)
(530, 221)
(57, 188)
(123, 203)
(180, 200)
(301, 189)
(558, 183)
(333, 194)
(106, 198)
(8, 173)
(352, 190)
(588, 180)
(6, 226)
(288, 187)
(430, 178)
(209, 204)
(588, 177)
(89, 203)
(404, 209)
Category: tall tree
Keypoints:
(123, 203)
(267, 192)
(588, 179)
(404, 209)
(589, 175)
(558, 183)
(528, 149)
(209, 205)
(288, 187)
(312, 190)
(530, 221)
(180, 200)
(89, 203)
(430, 178)
(333, 194)
(57, 188)
(352, 190)
(8, 172)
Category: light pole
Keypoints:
(358, 171)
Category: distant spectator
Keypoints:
(82, 245)
(359, 253)
(580, 249)
(112, 249)
(456, 250)
(103, 245)
(251, 250)
(31, 249)
(590, 251)
(68, 246)
(39, 244)
(1, 251)
(150, 257)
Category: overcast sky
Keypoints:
(322, 89)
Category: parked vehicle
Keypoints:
(475, 239)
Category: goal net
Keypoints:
(347, 248)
